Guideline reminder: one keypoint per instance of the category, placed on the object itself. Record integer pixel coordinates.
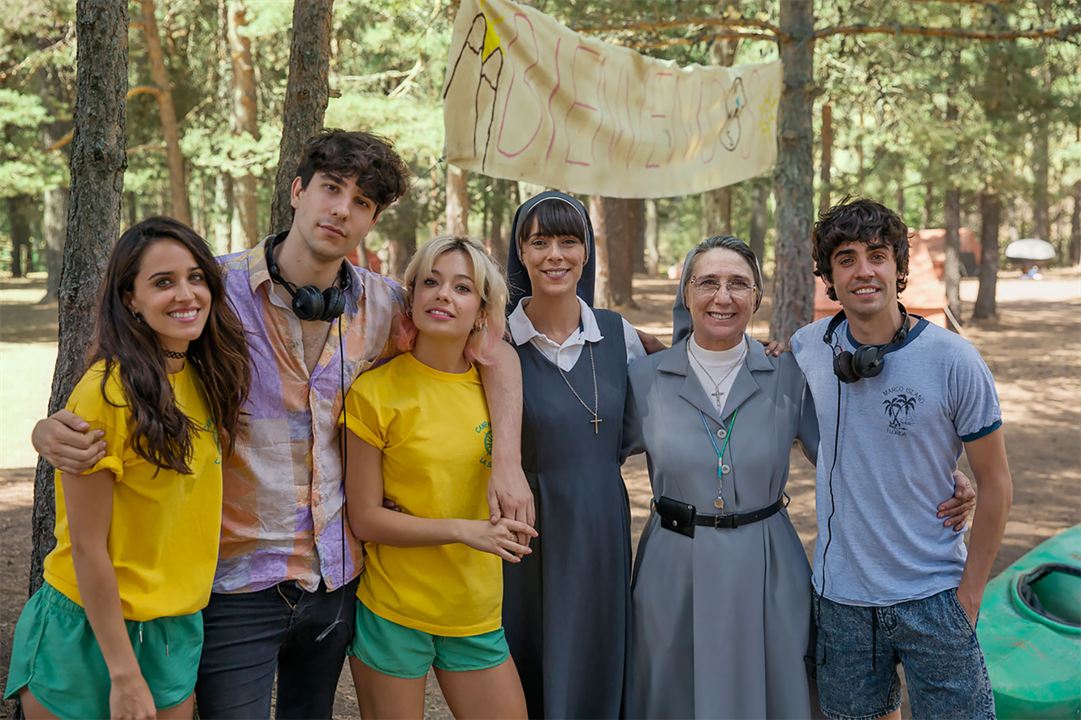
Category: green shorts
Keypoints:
(403, 652)
(54, 653)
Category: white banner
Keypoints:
(525, 98)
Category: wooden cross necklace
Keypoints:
(596, 421)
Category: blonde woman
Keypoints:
(418, 434)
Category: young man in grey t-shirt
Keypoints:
(898, 400)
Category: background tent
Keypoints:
(925, 294)
(934, 239)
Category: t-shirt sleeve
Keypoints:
(973, 399)
(108, 415)
(363, 416)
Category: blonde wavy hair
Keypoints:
(488, 280)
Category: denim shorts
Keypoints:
(858, 649)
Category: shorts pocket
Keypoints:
(959, 611)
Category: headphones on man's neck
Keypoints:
(868, 360)
(309, 302)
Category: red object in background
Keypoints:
(934, 239)
(374, 263)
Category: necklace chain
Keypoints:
(596, 392)
(174, 354)
(716, 394)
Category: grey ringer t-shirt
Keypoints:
(898, 439)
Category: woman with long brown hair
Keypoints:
(116, 630)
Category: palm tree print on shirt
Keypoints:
(899, 408)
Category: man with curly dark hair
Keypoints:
(898, 400)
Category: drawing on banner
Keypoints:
(481, 44)
(734, 103)
(526, 98)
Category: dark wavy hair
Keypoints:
(864, 221)
(161, 433)
(367, 158)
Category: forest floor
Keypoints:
(1033, 349)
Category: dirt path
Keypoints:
(1032, 349)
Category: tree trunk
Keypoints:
(929, 205)
(457, 201)
(1041, 162)
(826, 170)
(1075, 226)
(615, 224)
(793, 295)
(990, 218)
(20, 234)
(223, 213)
(760, 219)
(98, 159)
(245, 230)
(632, 247)
(497, 240)
(639, 257)
(598, 213)
(178, 187)
(398, 224)
(653, 238)
(900, 196)
(306, 97)
(54, 228)
(952, 269)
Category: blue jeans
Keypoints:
(251, 637)
(858, 649)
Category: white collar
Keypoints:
(522, 330)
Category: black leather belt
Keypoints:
(682, 518)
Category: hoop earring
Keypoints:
(480, 325)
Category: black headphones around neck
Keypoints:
(868, 360)
(309, 302)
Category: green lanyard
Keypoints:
(727, 437)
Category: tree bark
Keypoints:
(760, 219)
(178, 186)
(398, 224)
(53, 229)
(990, 218)
(615, 224)
(20, 234)
(245, 228)
(98, 159)
(653, 238)
(306, 96)
(825, 173)
(952, 268)
(500, 203)
(1075, 226)
(929, 204)
(793, 295)
(457, 201)
(631, 257)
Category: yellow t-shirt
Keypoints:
(436, 440)
(163, 539)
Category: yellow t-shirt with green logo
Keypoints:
(163, 539)
(436, 440)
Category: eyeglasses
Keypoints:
(709, 285)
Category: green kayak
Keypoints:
(1030, 632)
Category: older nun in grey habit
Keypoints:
(721, 598)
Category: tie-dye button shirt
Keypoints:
(283, 490)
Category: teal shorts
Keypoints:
(54, 653)
(403, 652)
